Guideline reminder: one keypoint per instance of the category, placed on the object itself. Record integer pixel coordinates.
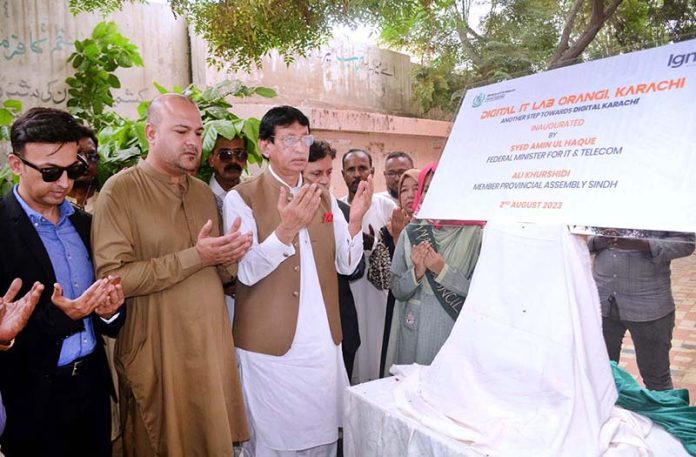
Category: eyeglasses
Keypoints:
(52, 174)
(90, 156)
(290, 141)
(238, 153)
(394, 173)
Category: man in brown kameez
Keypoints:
(158, 228)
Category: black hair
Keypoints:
(88, 132)
(243, 138)
(320, 149)
(282, 116)
(351, 151)
(399, 155)
(44, 125)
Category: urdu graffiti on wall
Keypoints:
(359, 62)
(54, 92)
(17, 44)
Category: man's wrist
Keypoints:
(285, 235)
(354, 228)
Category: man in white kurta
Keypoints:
(294, 400)
(228, 160)
(370, 302)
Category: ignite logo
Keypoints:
(478, 100)
(677, 60)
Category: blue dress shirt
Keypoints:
(73, 269)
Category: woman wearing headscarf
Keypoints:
(379, 272)
(431, 271)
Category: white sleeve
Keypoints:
(349, 250)
(262, 258)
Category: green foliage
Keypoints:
(7, 180)
(516, 37)
(105, 6)
(94, 60)
(122, 141)
(241, 32)
(9, 111)
(121, 145)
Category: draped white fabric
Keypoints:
(375, 427)
(525, 371)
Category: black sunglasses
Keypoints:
(52, 174)
(227, 154)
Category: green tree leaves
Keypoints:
(94, 60)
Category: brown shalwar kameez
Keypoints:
(175, 353)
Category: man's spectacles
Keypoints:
(227, 154)
(90, 156)
(52, 174)
(394, 173)
(290, 141)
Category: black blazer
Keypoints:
(37, 347)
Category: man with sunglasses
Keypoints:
(84, 191)
(287, 322)
(54, 380)
(228, 159)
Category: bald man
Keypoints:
(157, 227)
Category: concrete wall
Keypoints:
(36, 39)
(338, 75)
(356, 96)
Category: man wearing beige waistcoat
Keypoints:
(287, 324)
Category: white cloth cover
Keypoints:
(525, 371)
(375, 427)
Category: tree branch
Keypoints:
(463, 29)
(599, 18)
(565, 36)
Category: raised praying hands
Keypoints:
(96, 295)
(396, 223)
(225, 249)
(15, 314)
(114, 298)
(418, 253)
(297, 212)
(433, 260)
(362, 200)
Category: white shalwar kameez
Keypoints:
(295, 401)
(370, 302)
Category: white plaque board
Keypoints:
(609, 143)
